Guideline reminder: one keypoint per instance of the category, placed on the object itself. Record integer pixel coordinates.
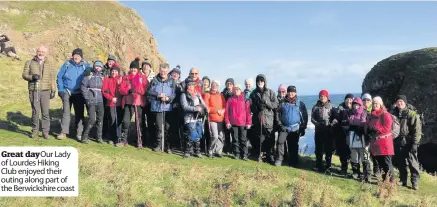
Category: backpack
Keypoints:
(395, 126)
(291, 115)
(195, 131)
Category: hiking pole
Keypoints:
(39, 106)
(162, 130)
(140, 142)
(116, 124)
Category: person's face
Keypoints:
(41, 53)
(214, 87)
(114, 73)
(175, 76)
(291, 94)
(401, 104)
(323, 98)
(163, 72)
(367, 102)
(134, 71)
(194, 74)
(237, 91)
(206, 83)
(348, 102)
(376, 106)
(98, 68)
(77, 58)
(229, 85)
(248, 85)
(146, 68)
(111, 63)
(356, 106)
(283, 93)
(260, 83)
(191, 87)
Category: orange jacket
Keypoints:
(215, 102)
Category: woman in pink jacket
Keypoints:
(237, 116)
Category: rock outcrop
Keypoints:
(99, 28)
(414, 74)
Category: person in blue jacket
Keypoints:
(69, 80)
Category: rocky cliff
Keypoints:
(414, 74)
(99, 28)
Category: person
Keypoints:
(111, 91)
(215, 101)
(228, 92)
(238, 117)
(161, 95)
(292, 121)
(249, 87)
(357, 142)
(194, 76)
(194, 111)
(367, 101)
(91, 89)
(7, 47)
(177, 113)
(378, 128)
(282, 92)
(322, 116)
(407, 142)
(41, 77)
(147, 70)
(133, 87)
(110, 62)
(206, 84)
(149, 126)
(68, 81)
(342, 114)
(263, 101)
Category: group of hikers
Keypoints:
(173, 113)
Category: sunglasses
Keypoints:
(366, 100)
(194, 73)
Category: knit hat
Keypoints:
(112, 57)
(366, 96)
(175, 70)
(77, 51)
(402, 97)
(98, 63)
(238, 86)
(115, 68)
(378, 99)
(291, 89)
(230, 80)
(349, 95)
(216, 82)
(135, 64)
(324, 93)
(282, 88)
(206, 78)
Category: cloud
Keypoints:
(324, 19)
(171, 30)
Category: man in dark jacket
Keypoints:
(263, 101)
(177, 127)
(407, 142)
(292, 120)
(342, 113)
(322, 116)
(91, 89)
(161, 95)
(228, 91)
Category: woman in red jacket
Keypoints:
(237, 116)
(133, 87)
(110, 90)
(378, 128)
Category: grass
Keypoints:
(110, 176)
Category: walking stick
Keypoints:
(116, 124)
(162, 130)
(39, 106)
(140, 142)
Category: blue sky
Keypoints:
(312, 45)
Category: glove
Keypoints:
(61, 94)
(301, 132)
(131, 91)
(52, 95)
(35, 77)
(87, 102)
(284, 129)
(414, 148)
(334, 122)
(248, 126)
(228, 126)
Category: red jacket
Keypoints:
(237, 111)
(137, 82)
(215, 102)
(382, 142)
(110, 89)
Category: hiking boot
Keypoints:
(245, 158)
(198, 155)
(79, 137)
(61, 136)
(415, 187)
(111, 142)
(100, 140)
(187, 155)
(45, 136)
(403, 184)
(157, 149)
(219, 155)
(210, 155)
(120, 144)
(278, 162)
(34, 134)
(84, 140)
(169, 151)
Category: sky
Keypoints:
(311, 45)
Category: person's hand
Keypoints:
(114, 100)
(301, 132)
(52, 94)
(35, 77)
(248, 126)
(61, 94)
(198, 108)
(284, 129)
(131, 91)
(228, 126)
(414, 148)
(164, 98)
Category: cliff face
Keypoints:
(414, 74)
(99, 28)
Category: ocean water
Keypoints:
(306, 143)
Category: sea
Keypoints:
(306, 143)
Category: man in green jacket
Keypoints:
(407, 142)
(41, 77)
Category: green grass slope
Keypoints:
(110, 176)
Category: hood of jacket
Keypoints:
(265, 81)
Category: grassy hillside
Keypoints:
(112, 176)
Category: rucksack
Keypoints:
(195, 131)
(395, 126)
(291, 115)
